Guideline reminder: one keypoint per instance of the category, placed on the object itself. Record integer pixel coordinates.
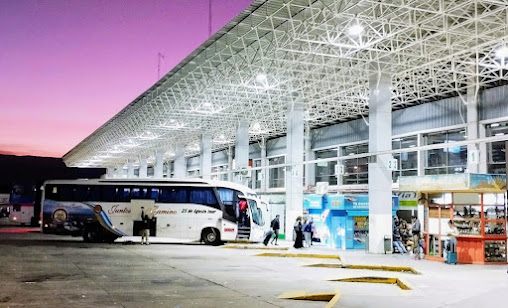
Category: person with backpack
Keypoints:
(275, 225)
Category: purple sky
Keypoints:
(66, 67)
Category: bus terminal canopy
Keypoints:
(318, 52)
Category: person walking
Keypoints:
(298, 232)
(307, 231)
(145, 228)
(416, 230)
(275, 225)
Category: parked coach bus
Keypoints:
(183, 210)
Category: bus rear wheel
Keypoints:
(91, 234)
(211, 236)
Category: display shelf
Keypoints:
(495, 251)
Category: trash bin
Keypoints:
(388, 243)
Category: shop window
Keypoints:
(276, 175)
(356, 169)
(325, 171)
(449, 160)
(408, 161)
(496, 163)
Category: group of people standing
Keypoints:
(407, 237)
(303, 231)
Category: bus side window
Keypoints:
(203, 196)
(94, 193)
(122, 194)
(173, 195)
(16, 208)
(153, 193)
(66, 193)
(108, 193)
(80, 193)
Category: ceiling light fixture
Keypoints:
(502, 53)
(261, 78)
(355, 30)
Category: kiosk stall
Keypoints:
(342, 221)
(476, 205)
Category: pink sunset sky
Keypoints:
(66, 67)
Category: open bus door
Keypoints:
(256, 219)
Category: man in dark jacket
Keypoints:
(145, 228)
(275, 225)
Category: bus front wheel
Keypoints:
(91, 234)
(211, 236)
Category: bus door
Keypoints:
(257, 222)
(139, 207)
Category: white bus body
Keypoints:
(181, 210)
(21, 213)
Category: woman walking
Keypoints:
(299, 233)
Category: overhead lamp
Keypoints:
(494, 125)
(355, 30)
(261, 78)
(207, 104)
(256, 126)
(502, 53)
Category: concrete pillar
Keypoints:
(242, 150)
(472, 129)
(483, 168)
(180, 163)
(143, 167)
(310, 169)
(130, 169)
(294, 173)
(206, 156)
(380, 178)
(421, 156)
(264, 172)
(110, 172)
(158, 166)
(230, 164)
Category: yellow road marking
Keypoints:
(331, 298)
(388, 268)
(396, 281)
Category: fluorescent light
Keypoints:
(494, 125)
(261, 78)
(502, 52)
(355, 30)
(499, 134)
(207, 104)
(256, 126)
(398, 139)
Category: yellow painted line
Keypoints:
(331, 298)
(298, 255)
(394, 281)
(240, 242)
(255, 247)
(405, 269)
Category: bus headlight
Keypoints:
(97, 209)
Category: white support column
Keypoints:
(242, 150)
(380, 178)
(421, 156)
(158, 165)
(310, 169)
(230, 164)
(484, 155)
(340, 177)
(206, 156)
(119, 171)
(472, 129)
(180, 164)
(264, 172)
(294, 173)
(110, 172)
(143, 167)
(130, 169)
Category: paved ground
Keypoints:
(38, 270)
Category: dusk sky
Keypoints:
(66, 67)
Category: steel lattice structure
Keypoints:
(280, 51)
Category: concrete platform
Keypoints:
(39, 270)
